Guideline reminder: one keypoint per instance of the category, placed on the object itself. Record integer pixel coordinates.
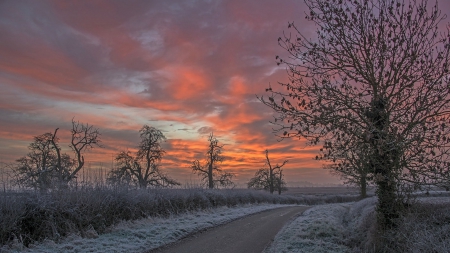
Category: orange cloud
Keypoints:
(188, 83)
(188, 68)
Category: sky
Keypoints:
(186, 67)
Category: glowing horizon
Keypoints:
(187, 68)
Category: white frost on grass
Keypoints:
(146, 234)
(323, 228)
(327, 228)
(319, 229)
(358, 212)
(435, 200)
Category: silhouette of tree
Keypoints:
(376, 74)
(45, 167)
(143, 169)
(350, 163)
(210, 172)
(84, 138)
(269, 178)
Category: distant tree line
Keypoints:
(46, 168)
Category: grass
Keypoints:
(351, 227)
(143, 235)
(426, 228)
(29, 217)
(318, 229)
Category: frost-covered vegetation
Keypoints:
(351, 227)
(425, 229)
(145, 234)
(120, 220)
(319, 229)
(29, 217)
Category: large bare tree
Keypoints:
(143, 169)
(376, 74)
(46, 167)
(209, 171)
(269, 178)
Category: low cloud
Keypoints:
(205, 130)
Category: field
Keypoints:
(107, 220)
(342, 190)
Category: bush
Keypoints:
(27, 217)
(424, 228)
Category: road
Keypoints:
(247, 235)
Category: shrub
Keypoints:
(32, 216)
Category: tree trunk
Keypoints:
(210, 176)
(389, 205)
(280, 182)
(142, 183)
(271, 180)
(384, 158)
(363, 185)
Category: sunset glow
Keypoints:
(188, 68)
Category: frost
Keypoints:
(319, 229)
(146, 234)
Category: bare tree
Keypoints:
(143, 168)
(350, 161)
(84, 138)
(210, 172)
(280, 183)
(35, 169)
(269, 178)
(45, 167)
(376, 73)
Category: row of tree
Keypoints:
(45, 167)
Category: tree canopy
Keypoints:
(269, 178)
(210, 172)
(375, 78)
(45, 167)
(142, 169)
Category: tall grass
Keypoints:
(352, 227)
(27, 217)
(424, 228)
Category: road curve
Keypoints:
(247, 235)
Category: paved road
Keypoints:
(247, 235)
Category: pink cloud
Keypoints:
(118, 65)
